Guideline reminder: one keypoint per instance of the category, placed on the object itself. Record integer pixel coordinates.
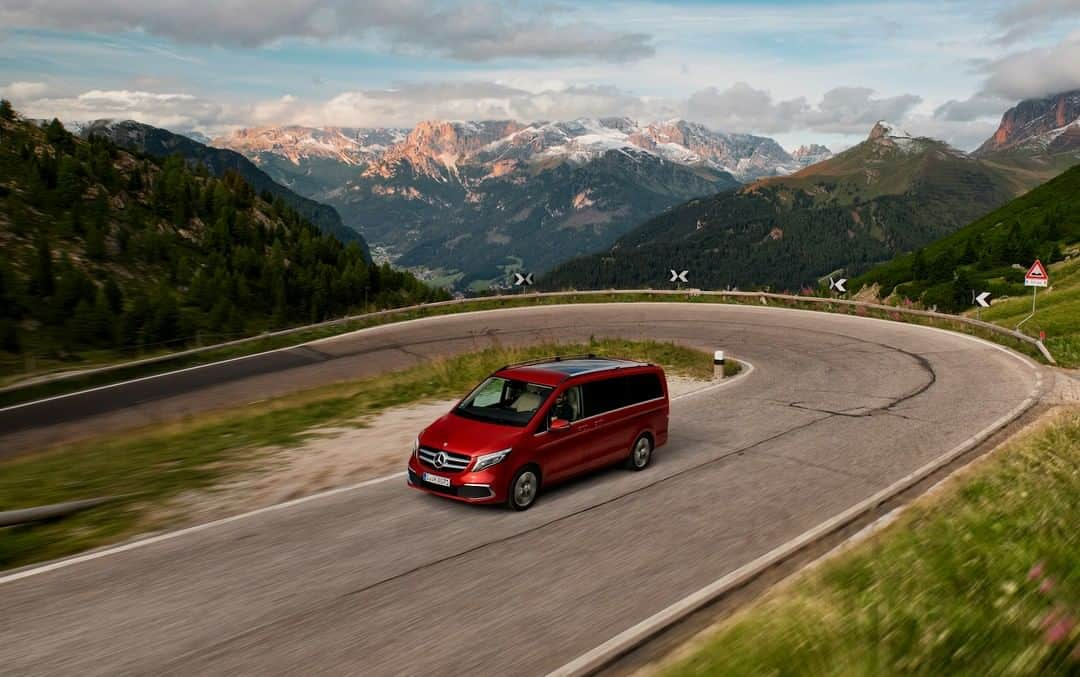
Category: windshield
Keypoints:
(504, 401)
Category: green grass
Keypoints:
(953, 587)
(1057, 313)
(148, 467)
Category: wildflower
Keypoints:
(1036, 572)
(1059, 629)
(1047, 585)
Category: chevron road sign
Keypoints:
(679, 276)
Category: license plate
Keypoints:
(437, 479)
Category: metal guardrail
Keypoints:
(12, 518)
(788, 298)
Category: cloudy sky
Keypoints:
(800, 72)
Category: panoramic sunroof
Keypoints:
(574, 367)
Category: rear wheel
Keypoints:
(640, 453)
(523, 488)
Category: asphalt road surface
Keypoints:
(383, 580)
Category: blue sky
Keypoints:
(798, 71)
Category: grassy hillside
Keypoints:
(978, 579)
(1057, 312)
(109, 252)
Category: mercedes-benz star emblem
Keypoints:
(440, 459)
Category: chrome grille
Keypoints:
(447, 461)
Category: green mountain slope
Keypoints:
(162, 143)
(991, 254)
(107, 251)
(889, 194)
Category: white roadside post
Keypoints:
(718, 365)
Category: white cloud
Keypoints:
(176, 111)
(975, 107)
(471, 30)
(1028, 17)
(845, 110)
(23, 91)
(1035, 72)
(406, 104)
(740, 108)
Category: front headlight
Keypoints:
(488, 460)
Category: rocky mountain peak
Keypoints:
(435, 147)
(348, 145)
(884, 130)
(1038, 121)
(812, 154)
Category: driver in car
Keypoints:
(562, 408)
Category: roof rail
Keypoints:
(556, 358)
(560, 358)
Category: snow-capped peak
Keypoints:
(885, 129)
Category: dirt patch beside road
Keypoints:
(337, 456)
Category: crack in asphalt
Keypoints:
(826, 415)
(922, 363)
(344, 597)
(305, 350)
(740, 451)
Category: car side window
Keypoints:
(605, 395)
(567, 406)
(644, 387)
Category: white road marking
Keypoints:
(98, 554)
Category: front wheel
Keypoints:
(523, 489)
(640, 454)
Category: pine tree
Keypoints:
(69, 185)
(42, 278)
(962, 287)
(6, 111)
(95, 243)
(114, 297)
(59, 137)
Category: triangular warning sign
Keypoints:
(1036, 275)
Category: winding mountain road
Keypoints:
(380, 580)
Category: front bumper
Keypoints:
(468, 487)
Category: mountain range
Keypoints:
(466, 203)
(472, 201)
(892, 193)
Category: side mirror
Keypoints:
(559, 425)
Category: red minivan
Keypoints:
(535, 424)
